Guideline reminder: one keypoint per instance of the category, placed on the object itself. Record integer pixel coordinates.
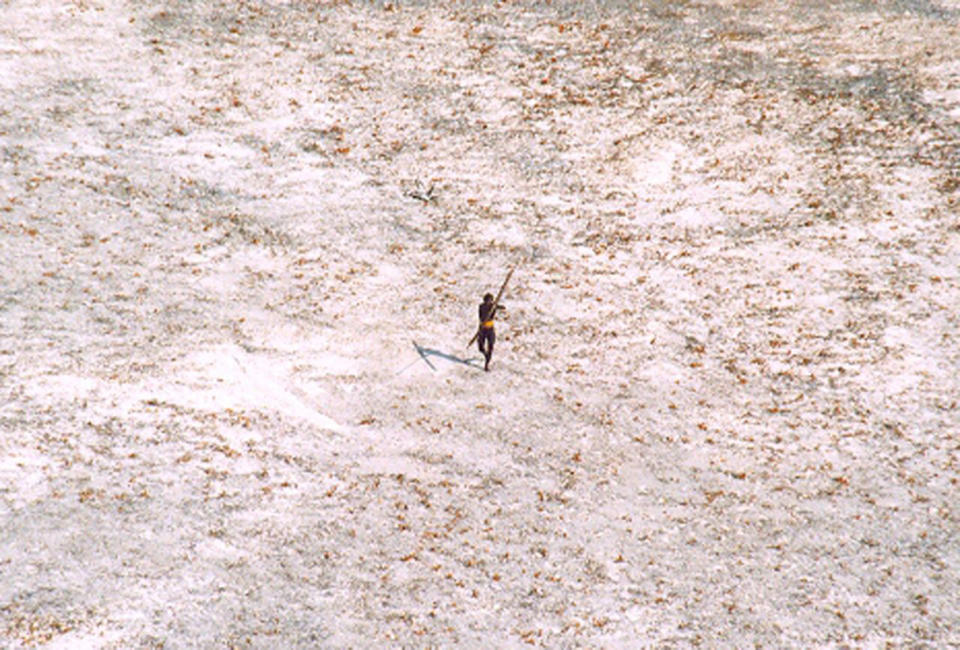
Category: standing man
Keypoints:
(486, 336)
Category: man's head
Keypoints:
(488, 297)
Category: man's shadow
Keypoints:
(426, 353)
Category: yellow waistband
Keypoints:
(487, 324)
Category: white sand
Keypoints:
(723, 405)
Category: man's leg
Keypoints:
(491, 337)
(482, 344)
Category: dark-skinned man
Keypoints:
(487, 337)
